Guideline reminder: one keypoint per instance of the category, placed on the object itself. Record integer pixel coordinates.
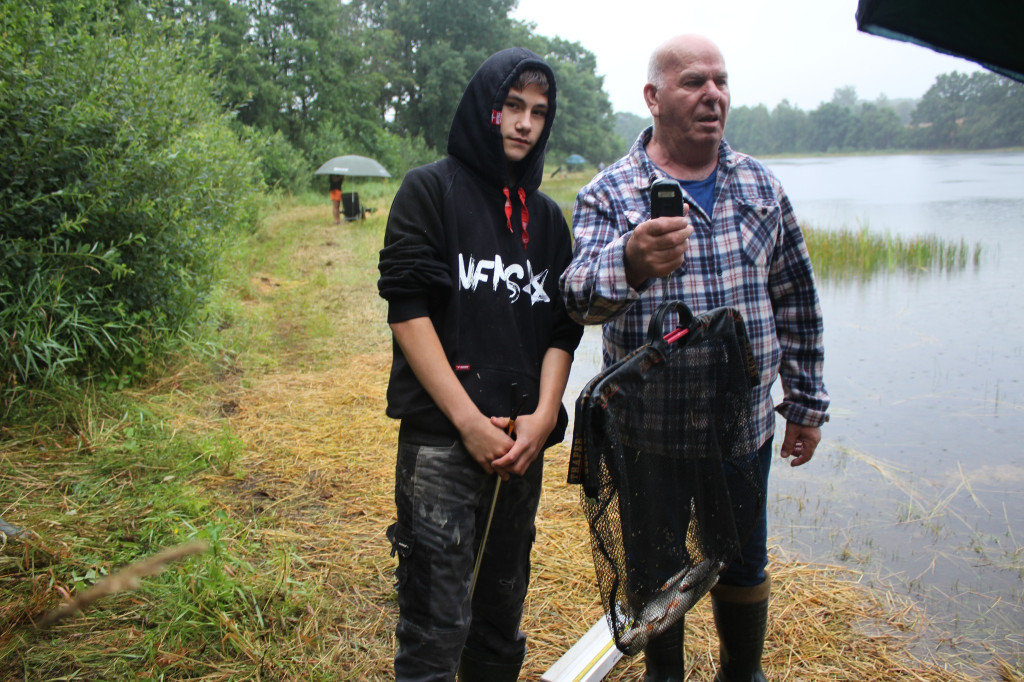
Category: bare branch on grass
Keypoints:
(127, 579)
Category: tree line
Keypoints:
(981, 110)
(376, 77)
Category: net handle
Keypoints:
(655, 331)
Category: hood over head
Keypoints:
(475, 134)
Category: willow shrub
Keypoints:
(120, 182)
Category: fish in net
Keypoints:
(663, 450)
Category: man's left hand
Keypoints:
(800, 443)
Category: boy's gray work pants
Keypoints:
(443, 498)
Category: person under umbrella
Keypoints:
(354, 166)
(335, 191)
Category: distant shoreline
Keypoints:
(886, 152)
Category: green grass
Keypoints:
(107, 481)
(284, 289)
(106, 478)
(563, 189)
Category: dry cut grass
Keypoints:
(320, 479)
(312, 491)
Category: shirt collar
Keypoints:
(645, 172)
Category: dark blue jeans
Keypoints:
(443, 498)
(747, 570)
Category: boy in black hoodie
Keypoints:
(470, 267)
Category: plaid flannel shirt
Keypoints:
(750, 256)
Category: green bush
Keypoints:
(400, 154)
(283, 166)
(120, 181)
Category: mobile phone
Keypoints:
(666, 198)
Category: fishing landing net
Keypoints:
(663, 447)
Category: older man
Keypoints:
(740, 246)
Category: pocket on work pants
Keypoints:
(437, 492)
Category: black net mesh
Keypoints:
(664, 451)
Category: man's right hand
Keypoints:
(657, 247)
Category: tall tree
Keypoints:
(585, 123)
(942, 106)
(995, 112)
(438, 44)
(628, 126)
(293, 66)
(748, 129)
(845, 96)
(829, 127)
(789, 128)
(876, 128)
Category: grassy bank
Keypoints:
(266, 440)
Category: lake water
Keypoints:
(919, 480)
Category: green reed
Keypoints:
(845, 254)
(839, 255)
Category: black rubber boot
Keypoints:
(476, 666)
(663, 656)
(741, 618)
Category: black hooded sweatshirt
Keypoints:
(480, 252)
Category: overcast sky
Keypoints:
(800, 50)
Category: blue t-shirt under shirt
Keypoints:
(702, 191)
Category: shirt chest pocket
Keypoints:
(758, 230)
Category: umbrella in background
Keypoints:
(352, 165)
(575, 160)
(984, 31)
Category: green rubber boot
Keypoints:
(741, 618)
(663, 656)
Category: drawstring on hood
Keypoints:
(475, 135)
(524, 215)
